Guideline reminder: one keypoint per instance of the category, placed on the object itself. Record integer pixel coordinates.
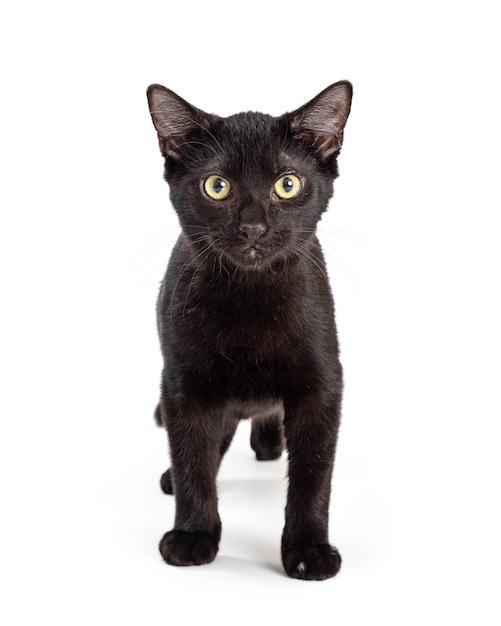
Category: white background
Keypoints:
(412, 239)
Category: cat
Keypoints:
(246, 316)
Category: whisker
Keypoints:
(296, 245)
(182, 272)
(161, 232)
(211, 135)
(222, 266)
(154, 247)
(197, 143)
(207, 249)
(307, 255)
(158, 271)
(344, 234)
(344, 269)
(147, 258)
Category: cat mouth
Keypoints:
(250, 257)
(252, 252)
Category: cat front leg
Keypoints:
(195, 455)
(228, 431)
(311, 426)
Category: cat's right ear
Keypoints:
(320, 123)
(174, 119)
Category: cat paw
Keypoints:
(311, 562)
(268, 454)
(166, 484)
(267, 439)
(179, 547)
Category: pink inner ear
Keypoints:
(331, 144)
(169, 116)
(322, 120)
(173, 118)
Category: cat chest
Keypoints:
(241, 332)
(242, 343)
(243, 363)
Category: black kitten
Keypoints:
(246, 316)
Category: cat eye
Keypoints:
(217, 187)
(287, 186)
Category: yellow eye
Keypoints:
(288, 186)
(217, 187)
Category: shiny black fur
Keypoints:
(246, 317)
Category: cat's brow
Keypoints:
(199, 143)
(211, 135)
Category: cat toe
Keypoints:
(267, 439)
(179, 547)
(314, 562)
(268, 454)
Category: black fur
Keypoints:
(246, 317)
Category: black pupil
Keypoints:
(287, 184)
(219, 185)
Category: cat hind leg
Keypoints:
(267, 437)
(157, 415)
(166, 482)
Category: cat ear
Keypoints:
(321, 121)
(174, 118)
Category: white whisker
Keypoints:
(344, 269)
(207, 250)
(182, 271)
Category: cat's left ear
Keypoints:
(175, 119)
(321, 121)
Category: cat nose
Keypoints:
(252, 231)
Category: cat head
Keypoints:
(250, 188)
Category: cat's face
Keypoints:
(250, 188)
